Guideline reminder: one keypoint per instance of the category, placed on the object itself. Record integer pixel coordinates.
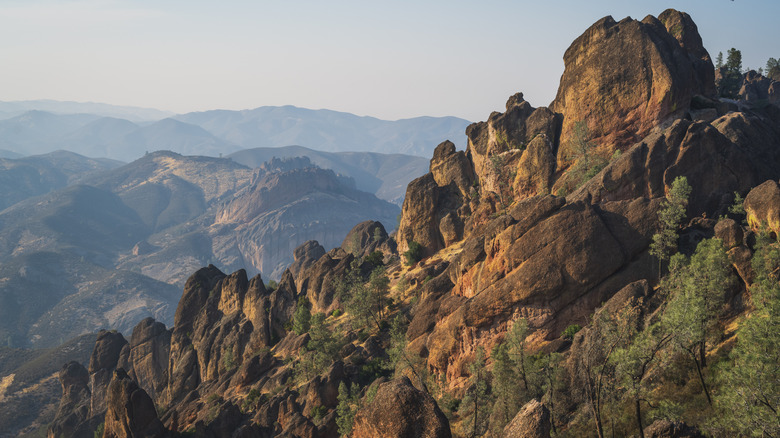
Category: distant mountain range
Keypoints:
(86, 244)
(126, 134)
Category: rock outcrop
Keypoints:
(399, 410)
(622, 79)
(533, 421)
(762, 206)
(74, 405)
(131, 412)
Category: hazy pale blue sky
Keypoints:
(391, 60)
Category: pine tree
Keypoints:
(696, 291)
(475, 404)
(670, 217)
(401, 361)
(347, 407)
(719, 60)
(302, 317)
(749, 399)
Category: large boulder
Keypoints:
(533, 421)
(624, 78)
(762, 206)
(399, 410)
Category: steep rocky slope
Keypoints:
(487, 249)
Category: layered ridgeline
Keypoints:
(520, 295)
(117, 133)
(118, 246)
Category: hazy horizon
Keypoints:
(391, 62)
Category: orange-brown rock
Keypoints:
(715, 165)
(146, 357)
(536, 168)
(762, 206)
(102, 363)
(495, 146)
(532, 421)
(729, 232)
(399, 410)
(624, 78)
(131, 412)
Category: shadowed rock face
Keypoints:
(131, 412)
(624, 78)
(74, 405)
(400, 410)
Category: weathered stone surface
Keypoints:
(147, 357)
(449, 166)
(131, 412)
(495, 146)
(400, 410)
(533, 421)
(624, 78)
(757, 89)
(366, 238)
(714, 165)
(729, 232)
(74, 405)
(762, 206)
(104, 359)
(671, 429)
(535, 168)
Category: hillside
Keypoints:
(116, 246)
(385, 175)
(558, 278)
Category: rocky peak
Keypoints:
(624, 78)
(74, 405)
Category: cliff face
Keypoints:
(624, 78)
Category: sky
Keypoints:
(392, 60)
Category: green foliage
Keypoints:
(506, 385)
(100, 429)
(318, 412)
(719, 60)
(749, 402)
(414, 253)
(738, 207)
(366, 302)
(587, 163)
(732, 75)
(570, 331)
(252, 400)
(696, 289)
(475, 405)
(271, 285)
(773, 69)
(322, 349)
(336, 313)
(376, 258)
(349, 403)
(670, 217)
(228, 359)
(302, 316)
(734, 60)
(401, 361)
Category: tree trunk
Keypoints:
(701, 378)
(639, 418)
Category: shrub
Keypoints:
(414, 253)
(571, 331)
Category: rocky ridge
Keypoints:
(496, 246)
